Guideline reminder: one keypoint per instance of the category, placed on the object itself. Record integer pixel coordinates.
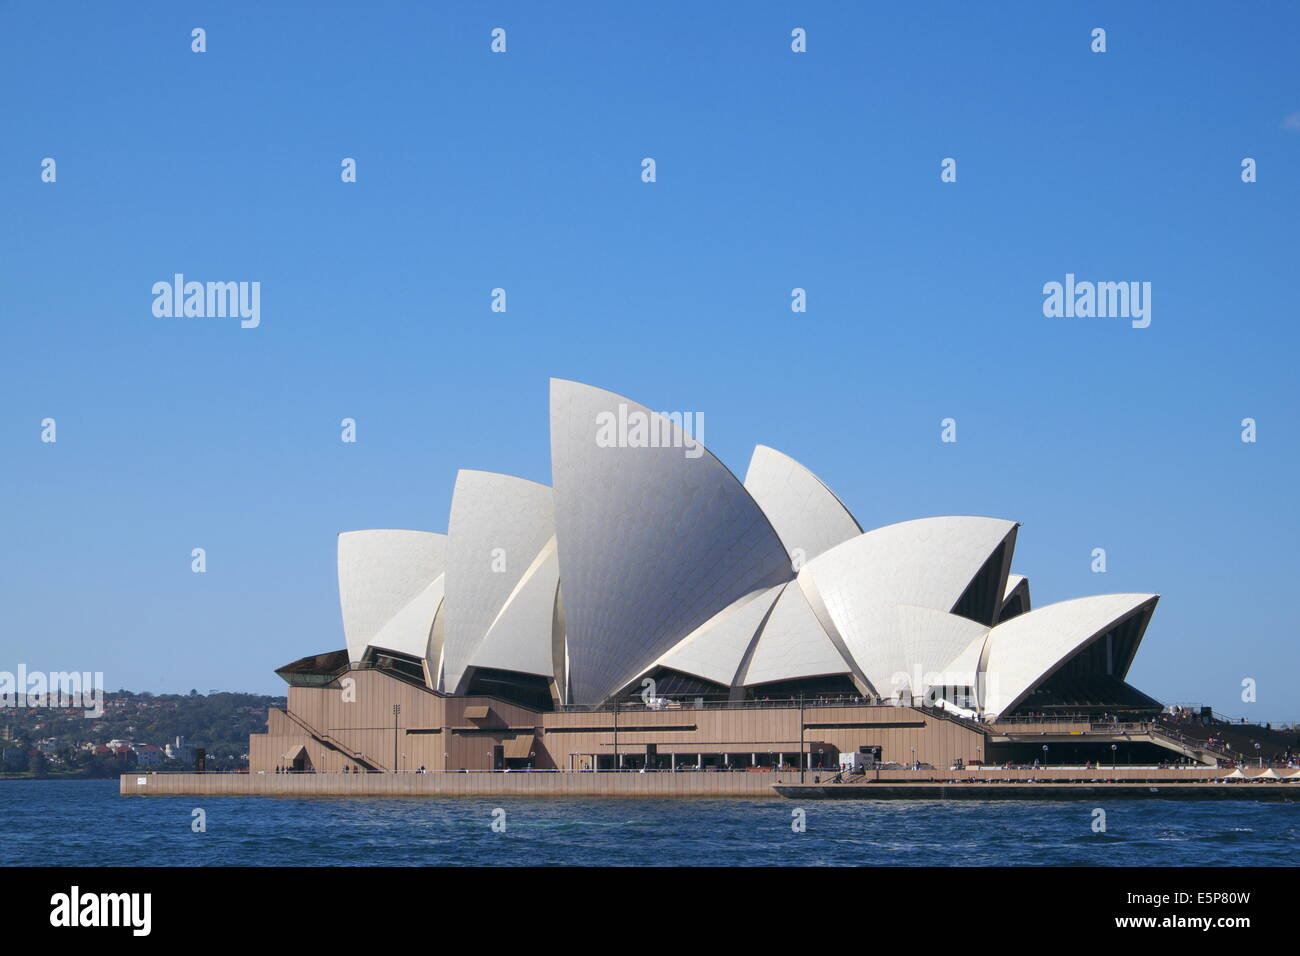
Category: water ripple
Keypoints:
(86, 823)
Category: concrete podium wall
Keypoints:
(473, 784)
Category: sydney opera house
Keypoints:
(650, 610)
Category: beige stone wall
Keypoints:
(626, 784)
(456, 784)
(434, 732)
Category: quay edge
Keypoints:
(1268, 792)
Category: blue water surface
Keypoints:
(86, 823)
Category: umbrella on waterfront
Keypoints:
(1235, 775)
(1269, 774)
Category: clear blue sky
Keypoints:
(522, 170)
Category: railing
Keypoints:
(1058, 719)
(637, 705)
(150, 772)
(334, 742)
(944, 714)
(664, 703)
(971, 771)
(1153, 728)
(538, 770)
(1193, 743)
(703, 703)
(1195, 714)
(776, 703)
(372, 666)
(847, 700)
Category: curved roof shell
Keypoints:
(498, 525)
(806, 514)
(793, 644)
(656, 536)
(857, 588)
(965, 668)
(380, 572)
(408, 631)
(1028, 649)
(928, 562)
(521, 638)
(902, 649)
(716, 650)
(1015, 600)
(664, 559)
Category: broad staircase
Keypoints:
(333, 743)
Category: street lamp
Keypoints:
(1258, 755)
(1044, 755)
(397, 709)
(1113, 748)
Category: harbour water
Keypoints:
(86, 823)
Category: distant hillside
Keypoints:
(39, 739)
